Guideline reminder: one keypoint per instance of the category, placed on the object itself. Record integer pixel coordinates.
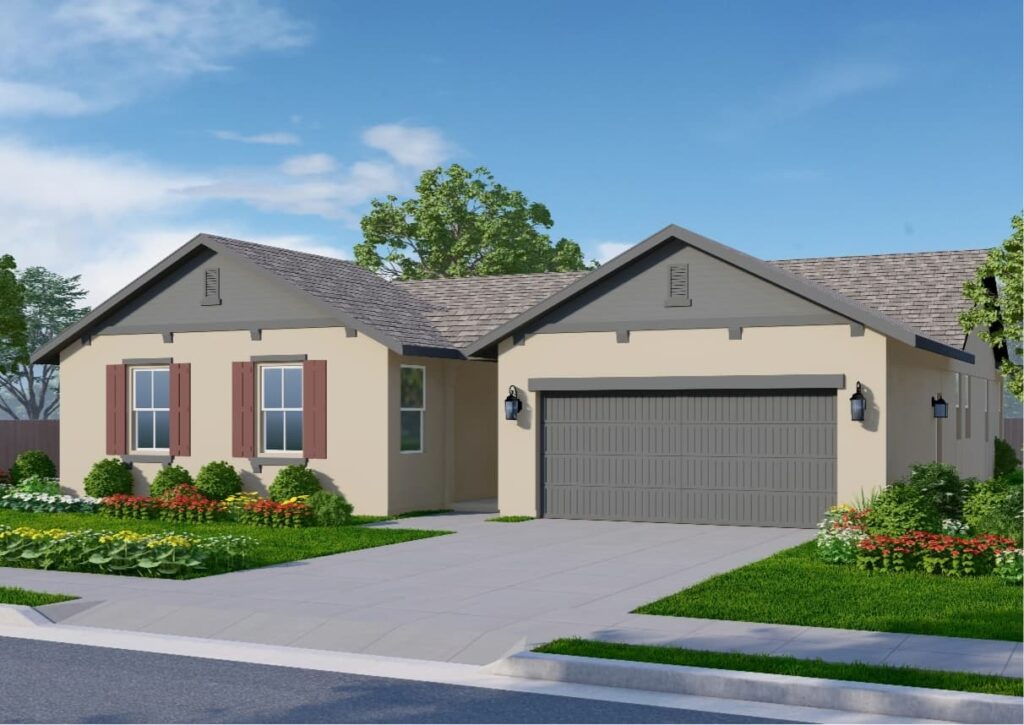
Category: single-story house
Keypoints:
(683, 381)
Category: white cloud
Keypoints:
(831, 83)
(309, 165)
(414, 146)
(609, 250)
(274, 138)
(30, 99)
(332, 197)
(114, 50)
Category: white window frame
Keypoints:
(285, 410)
(152, 411)
(421, 410)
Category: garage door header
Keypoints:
(690, 382)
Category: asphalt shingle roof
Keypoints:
(921, 290)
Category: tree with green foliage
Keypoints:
(13, 329)
(461, 223)
(49, 304)
(996, 293)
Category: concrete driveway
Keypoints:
(472, 597)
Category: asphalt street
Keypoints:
(49, 682)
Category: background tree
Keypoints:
(50, 303)
(462, 224)
(996, 306)
(13, 333)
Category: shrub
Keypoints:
(901, 508)
(995, 506)
(329, 509)
(292, 481)
(108, 477)
(48, 503)
(167, 478)
(275, 514)
(32, 463)
(839, 533)
(38, 484)
(218, 480)
(1010, 566)
(1006, 460)
(933, 553)
(121, 552)
(941, 486)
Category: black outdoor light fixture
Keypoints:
(940, 409)
(512, 403)
(857, 404)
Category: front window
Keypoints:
(151, 414)
(413, 401)
(281, 408)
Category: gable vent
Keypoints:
(678, 286)
(211, 286)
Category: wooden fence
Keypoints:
(28, 435)
(1013, 432)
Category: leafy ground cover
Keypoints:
(854, 672)
(273, 545)
(17, 595)
(796, 587)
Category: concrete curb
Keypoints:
(19, 615)
(911, 702)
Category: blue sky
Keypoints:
(783, 128)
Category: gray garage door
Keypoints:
(764, 458)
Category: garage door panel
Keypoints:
(750, 457)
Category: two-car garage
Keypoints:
(740, 457)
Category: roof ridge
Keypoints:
(934, 252)
(290, 250)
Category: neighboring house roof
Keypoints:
(466, 308)
(921, 289)
(913, 297)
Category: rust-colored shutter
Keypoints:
(117, 410)
(314, 409)
(181, 409)
(243, 410)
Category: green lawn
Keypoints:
(510, 519)
(16, 595)
(795, 587)
(274, 545)
(856, 672)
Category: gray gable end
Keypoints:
(678, 285)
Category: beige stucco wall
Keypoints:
(825, 349)
(357, 398)
(459, 457)
(915, 436)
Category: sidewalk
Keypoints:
(983, 656)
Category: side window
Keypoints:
(281, 408)
(412, 402)
(151, 414)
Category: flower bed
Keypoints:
(182, 504)
(48, 503)
(933, 553)
(165, 554)
(291, 513)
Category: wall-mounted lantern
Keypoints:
(940, 409)
(512, 403)
(857, 404)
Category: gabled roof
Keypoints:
(921, 289)
(775, 274)
(912, 297)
